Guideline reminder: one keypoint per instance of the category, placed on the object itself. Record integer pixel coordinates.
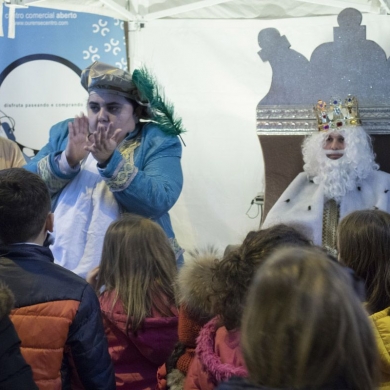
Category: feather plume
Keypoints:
(162, 111)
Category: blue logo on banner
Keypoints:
(40, 67)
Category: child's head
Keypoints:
(24, 205)
(139, 265)
(233, 274)
(364, 246)
(304, 325)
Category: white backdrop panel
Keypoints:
(211, 71)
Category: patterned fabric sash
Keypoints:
(330, 220)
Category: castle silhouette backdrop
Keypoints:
(350, 64)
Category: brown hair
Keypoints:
(24, 205)
(234, 273)
(142, 111)
(139, 266)
(364, 246)
(305, 327)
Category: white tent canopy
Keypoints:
(148, 10)
(205, 55)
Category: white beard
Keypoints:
(337, 176)
(344, 174)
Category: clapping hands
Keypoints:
(103, 142)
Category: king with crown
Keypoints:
(340, 176)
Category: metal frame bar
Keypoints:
(386, 5)
(183, 8)
(121, 10)
(342, 4)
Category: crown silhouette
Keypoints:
(338, 114)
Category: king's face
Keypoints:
(334, 145)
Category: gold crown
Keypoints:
(337, 115)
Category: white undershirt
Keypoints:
(84, 210)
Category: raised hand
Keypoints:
(104, 142)
(77, 140)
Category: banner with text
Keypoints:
(40, 67)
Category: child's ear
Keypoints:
(49, 226)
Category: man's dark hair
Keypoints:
(24, 205)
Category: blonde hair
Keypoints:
(139, 266)
(305, 327)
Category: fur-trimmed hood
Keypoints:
(194, 284)
(6, 300)
(218, 357)
(219, 352)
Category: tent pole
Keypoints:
(134, 28)
(131, 35)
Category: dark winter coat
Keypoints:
(58, 319)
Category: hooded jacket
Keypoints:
(381, 322)
(136, 357)
(218, 358)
